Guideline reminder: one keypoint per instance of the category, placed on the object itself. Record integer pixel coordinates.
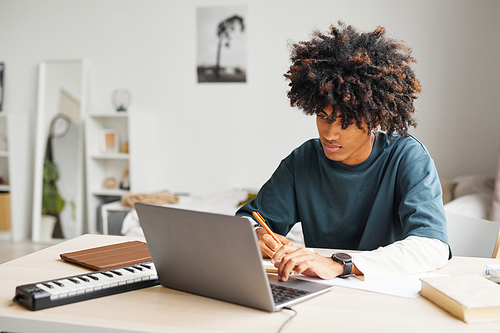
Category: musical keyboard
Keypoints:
(47, 294)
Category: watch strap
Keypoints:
(347, 263)
(347, 268)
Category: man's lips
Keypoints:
(331, 148)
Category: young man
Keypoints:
(365, 184)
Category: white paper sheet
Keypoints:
(407, 286)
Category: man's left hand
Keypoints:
(293, 259)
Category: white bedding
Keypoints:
(472, 195)
(221, 203)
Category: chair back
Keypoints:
(473, 237)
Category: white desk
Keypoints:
(159, 309)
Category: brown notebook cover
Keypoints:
(110, 256)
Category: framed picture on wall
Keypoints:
(222, 43)
(109, 141)
(2, 67)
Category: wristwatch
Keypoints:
(344, 259)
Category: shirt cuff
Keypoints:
(409, 256)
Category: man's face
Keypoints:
(349, 146)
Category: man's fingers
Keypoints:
(284, 240)
(268, 245)
(297, 260)
(289, 258)
(271, 243)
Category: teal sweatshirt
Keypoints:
(393, 194)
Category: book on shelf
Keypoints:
(472, 298)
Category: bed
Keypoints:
(225, 202)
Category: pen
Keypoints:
(264, 225)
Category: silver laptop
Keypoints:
(215, 256)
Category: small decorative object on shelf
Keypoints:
(109, 183)
(121, 99)
(109, 141)
(124, 182)
(124, 147)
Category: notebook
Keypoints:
(472, 298)
(215, 256)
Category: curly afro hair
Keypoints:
(365, 76)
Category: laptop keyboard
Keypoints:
(282, 294)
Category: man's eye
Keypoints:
(322, 116)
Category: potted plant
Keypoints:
(52, 203)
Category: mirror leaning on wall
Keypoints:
(58, 168)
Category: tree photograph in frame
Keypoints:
(222, 43)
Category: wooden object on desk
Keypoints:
(472, 298)
(110, 256)
(159, 309)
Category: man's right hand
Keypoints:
(268, 246)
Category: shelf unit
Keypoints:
(101, 165)
(5, 202)
(4, 168)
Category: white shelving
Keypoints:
(4, 162)
(4, 153)
(102, 165)
(4, 168)
(117, 156)
(5, 200)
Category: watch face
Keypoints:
(343, 256)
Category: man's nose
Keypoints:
(332, 131)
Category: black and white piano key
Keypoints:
(86, 286)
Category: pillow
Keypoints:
(448, 188)
(476, 205)
(470, 184)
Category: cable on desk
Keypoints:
(286, 322)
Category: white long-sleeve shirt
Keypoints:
(409, 256)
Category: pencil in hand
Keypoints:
(264, 225)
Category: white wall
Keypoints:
(204, 138)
